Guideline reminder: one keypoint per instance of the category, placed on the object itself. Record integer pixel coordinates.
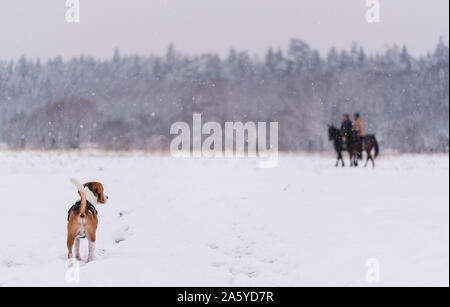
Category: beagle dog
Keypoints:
(82, 219)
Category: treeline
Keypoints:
(131, 101)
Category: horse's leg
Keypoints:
(340, 158)
(373, 161)
(368, 158)
(354, 158)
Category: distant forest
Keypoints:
(130, 102)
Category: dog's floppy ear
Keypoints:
(97, 189)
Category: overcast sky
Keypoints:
(39, 29)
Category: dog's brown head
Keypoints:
(97, 189)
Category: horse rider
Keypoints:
(358, 128)
(346, 129)
(358, 125)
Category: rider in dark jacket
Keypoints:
(346, 129)
(347, 126)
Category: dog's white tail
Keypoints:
(82, 193)
(77, 184)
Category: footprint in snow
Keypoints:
(213, 246)
(123, 236)
(123, 213)
(101, 252)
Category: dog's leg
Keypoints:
(91, 251)
(91, 239)
(70, 240)
(77, 249)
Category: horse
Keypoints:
(368, 143)
(335, 135)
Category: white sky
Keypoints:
(37, 28)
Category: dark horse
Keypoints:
(353, 146)
(335, 135)
(369, 141)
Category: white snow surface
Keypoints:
(200, 222)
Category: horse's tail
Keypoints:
(377, 148)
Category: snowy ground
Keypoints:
(176, 222)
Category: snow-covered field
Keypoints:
(186, 222)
